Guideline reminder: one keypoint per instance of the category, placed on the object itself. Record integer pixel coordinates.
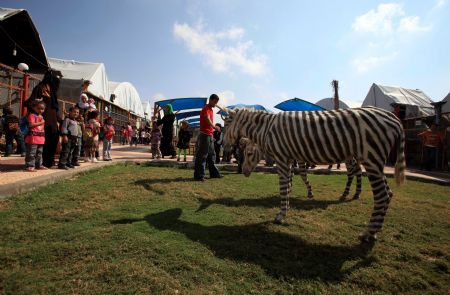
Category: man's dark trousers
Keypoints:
(205, 154)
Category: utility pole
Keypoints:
(335, 84)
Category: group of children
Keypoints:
(80, 129)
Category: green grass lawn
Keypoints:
(148, 230)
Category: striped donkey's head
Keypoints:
(252, 155)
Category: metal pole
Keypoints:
(23, 109)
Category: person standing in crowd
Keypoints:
(108, 131)
(218, 138)
(90, 136)
(184, 138)
(77, 152)
(431, 139)
(205, 153)
(46, 91)
(129, 132)
(124, 135)
(83, 104)
(142, 136)
(69, 133)
(134, 136)
(12, 132)
(155, 140)
(35, 138)
(167, 148)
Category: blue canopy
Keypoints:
(184, 103)
(194, 119)
(184, 115)
(245, 106)
(194, 125)
(297, 104)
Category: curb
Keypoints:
(11, 189)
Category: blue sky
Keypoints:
(253, 51)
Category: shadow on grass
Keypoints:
(269, 202)
(281, 255)
(148, 183)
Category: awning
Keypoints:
(192, 120)
(297, 104)
(184, 103)
(184, 115)
(257, 107)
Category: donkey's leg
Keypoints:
(348, 185)
(390, 193)
(380, 201)
(304, 176)
(358, 182)
(291, 177)
(284, 173)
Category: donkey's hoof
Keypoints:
(311, 196)
(342, 198)
(366, 237)
(356, 197)
(278, 219)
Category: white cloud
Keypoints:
(379, 20)
(227, 98)
(363, 65)
(223, 51)
(411, 24)
(388, 18)
(440, 3)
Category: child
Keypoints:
(134, 136)
(124, 135)
(69, 133)
(108, 130)
(184, 137)
(155, 140)
(142, 136)
(35, 138)
(90, 136)
(78, 147)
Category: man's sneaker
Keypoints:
(30, 169)
(70, 166)
(76, 164)
(94, 160)
(41, 168)
(63, 167)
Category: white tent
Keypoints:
(147, 109)
(417, 103)
(74, 72)
(127, 97)
(328, 104)
(446, 106)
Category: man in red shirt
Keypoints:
(432, 139)
(205, 144)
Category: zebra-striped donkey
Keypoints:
(323, 137)
(253, 155)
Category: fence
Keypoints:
(12, 90)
